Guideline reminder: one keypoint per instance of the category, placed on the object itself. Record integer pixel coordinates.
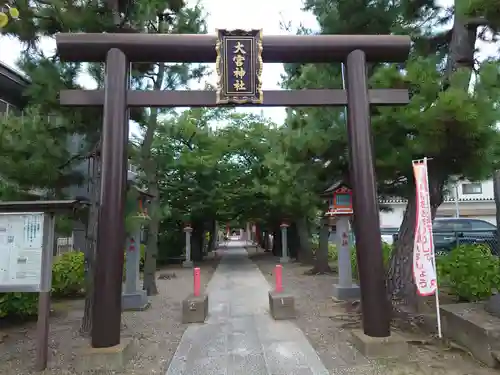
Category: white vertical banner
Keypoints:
(424, 260)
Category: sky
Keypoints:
(222, 14)
(235, 14)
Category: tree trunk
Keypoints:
(277, 242)
(305, 253)
(462, 48)
(258, 235)
(293, 240)
(213, 236)
(149, 167)
(204, 243)
(149, 284)
(321, 265)
(400, 283)
(197, 242)
(91, 240)
(265, 240)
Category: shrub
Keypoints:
(471, 272)
(332, 249)
(332, 252)
(67, 281)
(386, 256)
(19, 305)
(68, 275)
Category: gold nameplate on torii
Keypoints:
(239, 66)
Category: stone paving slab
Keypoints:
(239, 336)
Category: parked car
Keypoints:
(388, 234)
(451, 232)
(448, 233)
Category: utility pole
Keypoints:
(496, 190)
(457, 206)
(493, 304)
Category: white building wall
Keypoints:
(486, 193)
(394, 218)
(483, 210)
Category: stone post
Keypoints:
(133, 297)
(284, 243)
(345, 289)
(188, 263)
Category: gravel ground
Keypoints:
(157, 331)
(327, 323)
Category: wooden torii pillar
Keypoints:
(119, 50)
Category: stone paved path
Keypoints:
(239, 336)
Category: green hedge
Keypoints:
(68, 280)
(386, 256)
(332, 249)
(333, 256)
(470, 271)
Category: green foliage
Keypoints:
(332, 250)
(230, 174)
(333, 254)
(386, 256)
(67, 281)
(18, 305)
(68, 274)
(208, 165)
(453, 100)
(471, 272)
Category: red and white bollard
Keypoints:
(278, 275)
(196, 277)
(281, 303)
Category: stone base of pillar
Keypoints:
(195, 309)
(281, 305)
(137, 301)
(346, 293)
(187, 264)
(284, 260)
(394, 346)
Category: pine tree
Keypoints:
(41, 19)
(445, 110)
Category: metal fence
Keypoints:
(64, 245)
(445, 241)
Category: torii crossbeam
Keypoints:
(119, 50)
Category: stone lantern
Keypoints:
(134, 297)
(339, 211)
(188, 230)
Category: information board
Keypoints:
(22, 260)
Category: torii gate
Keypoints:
(119, 50)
